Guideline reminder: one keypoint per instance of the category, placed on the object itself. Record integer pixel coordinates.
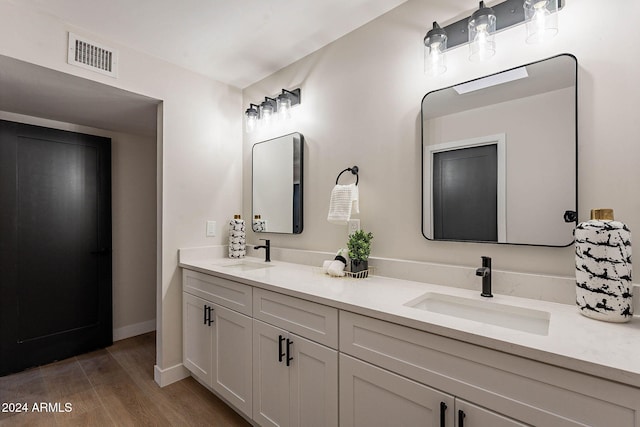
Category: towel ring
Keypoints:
(354, 170)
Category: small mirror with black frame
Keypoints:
(499, 157)
(277, 185)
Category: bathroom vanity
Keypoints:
(287, 345)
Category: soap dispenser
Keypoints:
(237, 238)
(603, 268)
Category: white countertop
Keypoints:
(608, 350)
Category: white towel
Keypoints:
(344, 198)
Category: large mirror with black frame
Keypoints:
(277, 185)
(499, 157)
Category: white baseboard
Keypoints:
(164, 377)
(134, 330)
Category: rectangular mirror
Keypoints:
(499, 157)
(277, 185)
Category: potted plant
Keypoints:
(359, 245)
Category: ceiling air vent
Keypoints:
(92, 56)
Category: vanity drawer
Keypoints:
(314, 321)
(523, 389)
(227, 293)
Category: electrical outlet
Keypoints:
(211, 228)
(352, 226)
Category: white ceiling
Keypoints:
(238, 42)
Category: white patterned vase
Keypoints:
(603, 270)
(237, 238)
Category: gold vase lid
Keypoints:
(236, 216)
(602, 214)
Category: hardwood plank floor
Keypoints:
(112, 387)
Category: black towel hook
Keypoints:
(354, 170)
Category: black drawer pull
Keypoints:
(210, 316)
(280, 352)
(443, 410)
(289, 358)
(461, 416)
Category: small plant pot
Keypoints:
(358, 266)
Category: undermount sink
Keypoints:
(247, 265)
(506, 316)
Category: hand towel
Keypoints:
(344, 199)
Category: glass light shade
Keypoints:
(251, 119)
(482, 26)
(284, 107)
(542, 20)
(435, 43)
(266, 114)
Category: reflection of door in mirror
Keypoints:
(536, 114)
(468, 189)
(277, 185)
(465, 196)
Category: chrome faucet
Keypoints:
(485, 273)
(267, 248)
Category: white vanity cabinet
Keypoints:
(489, 387)
(372, 396)
(295, 379)
(217, 345)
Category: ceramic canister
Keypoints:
(237, 238)
(603, 268)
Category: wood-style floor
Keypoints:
(112, 387)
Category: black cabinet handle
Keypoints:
(443, 410)
(461, 416)
(289, 359)
(280, 353)
(210, 316)
(208, 319)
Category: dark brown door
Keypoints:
(55, 245)
(465, 194)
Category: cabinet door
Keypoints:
(371, 396)
(232, 347)
(197, 336)
(270, 376)
(314, 384)
(470, 415)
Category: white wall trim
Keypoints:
(133, 330)
(164, 377)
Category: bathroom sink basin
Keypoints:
(507, 316)
(246, 265)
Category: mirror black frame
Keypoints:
(569, 216)
(298, 203)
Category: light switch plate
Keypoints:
(353, 225)
(211, 228)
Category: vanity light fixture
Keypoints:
(435, 43)
(270, 109)
(540, 17)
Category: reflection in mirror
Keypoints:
(499, 157)
(277, 185)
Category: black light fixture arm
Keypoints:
(354, 170)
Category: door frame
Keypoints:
(497, 139)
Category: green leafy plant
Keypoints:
(359, 245)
